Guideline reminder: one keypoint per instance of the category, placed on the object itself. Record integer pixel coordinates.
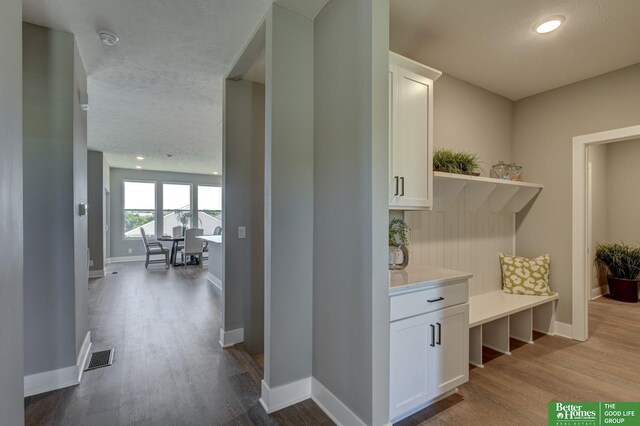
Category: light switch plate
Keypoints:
(242, 231)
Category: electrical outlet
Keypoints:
(242, 231)
(90, 262)
(129, 251)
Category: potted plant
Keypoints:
(185, 218)
(623, 262)
(450, 161)
(398, 242)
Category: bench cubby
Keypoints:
(496, 317)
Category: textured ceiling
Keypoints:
(491, 43)
(159, 90)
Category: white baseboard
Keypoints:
(122, 259)
(97, 274)
(35, 384)
(599, 291)
(214, 280)
(332, 406)
(279, 397)
(231, 337)
(563, 330)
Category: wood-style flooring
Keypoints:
(169, 368)
(515, 390)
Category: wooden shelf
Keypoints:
(502, 194)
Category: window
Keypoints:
(176, 206)
(139, 208)
(209, 208)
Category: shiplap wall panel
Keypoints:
(462, 240)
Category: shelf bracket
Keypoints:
(476, 193)
(446, 191)
(501, 196)
(522, 198)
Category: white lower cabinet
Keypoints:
(429, 357)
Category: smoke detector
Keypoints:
(108, 38)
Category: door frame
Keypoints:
(581, 263)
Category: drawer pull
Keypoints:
(439, 342)
(433, 336)
(435, 300)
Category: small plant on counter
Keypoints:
(460, 162)
(398, 233)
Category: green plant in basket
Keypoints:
(460, 162)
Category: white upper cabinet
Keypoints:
(410, 134)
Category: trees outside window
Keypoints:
(139, 208)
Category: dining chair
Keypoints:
(178, 231)
(192, 245)
(154, 248)
(217, 230)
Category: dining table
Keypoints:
(174, 247)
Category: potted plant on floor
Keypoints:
(450, 161)
(398, 242)
(623, 262)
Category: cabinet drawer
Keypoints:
(420, 302)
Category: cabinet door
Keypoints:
(448, 360)
(412, 146)
(394, 179)
(409, 384)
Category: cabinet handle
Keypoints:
(402, 180)
(439, 342)
(397, 180)
(433, 336)
(435, 300)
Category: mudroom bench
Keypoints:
(496, 316)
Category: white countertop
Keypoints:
(417, 279)
(211, 238)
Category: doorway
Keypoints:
(106, 240)
(582, 222)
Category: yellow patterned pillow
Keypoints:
(526, 276)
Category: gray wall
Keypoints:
(11, 275)
(119, 246)
(622, 183)
(472, 119)
(544, 126)
(243, 206)
(95, 189)
(52, 186)
(80, 223)
(598, 160)
(350, 290)
(288, 197)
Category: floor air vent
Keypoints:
(100, 359)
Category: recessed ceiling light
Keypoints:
(140, 157)
(108, 38)
(138, 167)
(550, 24)
(215, 173)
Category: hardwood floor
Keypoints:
(168, 366)
(514, 390)
(170, 370)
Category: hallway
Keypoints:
(169, 368)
